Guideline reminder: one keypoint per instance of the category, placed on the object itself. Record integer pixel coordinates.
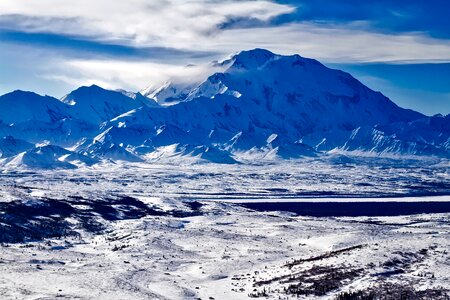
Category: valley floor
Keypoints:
(154, 233)
(231, 253)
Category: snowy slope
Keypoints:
(9, 146)
(48, 157)
(108, 150)
(42, 157)
(169, 93)
(37, 119)
(96, 105)
(19, 106)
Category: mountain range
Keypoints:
(262, 106)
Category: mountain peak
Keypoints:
(21, 106)
(256, 52)
(18, 94)
(89, 94)
(88, 89)
(252, 58)
(25, 98)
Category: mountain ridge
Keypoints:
(262, 104)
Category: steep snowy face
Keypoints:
(139, 98)
(19, 107)
(107, 150)
(42, 157)
(96, 105)
(169, 93)
(433, 130)
(9, 146)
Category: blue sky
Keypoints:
(401, 48)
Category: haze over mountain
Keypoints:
(262, 106)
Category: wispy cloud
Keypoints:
(125, 74)
(339, 43)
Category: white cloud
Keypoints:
(334, 44)
(194, 25)
(140, 22)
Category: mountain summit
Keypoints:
(261, 106)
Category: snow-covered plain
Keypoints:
(169, 231)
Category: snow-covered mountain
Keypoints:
(20, 107)
(262, 106)
(96, 105)
(9, 146)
